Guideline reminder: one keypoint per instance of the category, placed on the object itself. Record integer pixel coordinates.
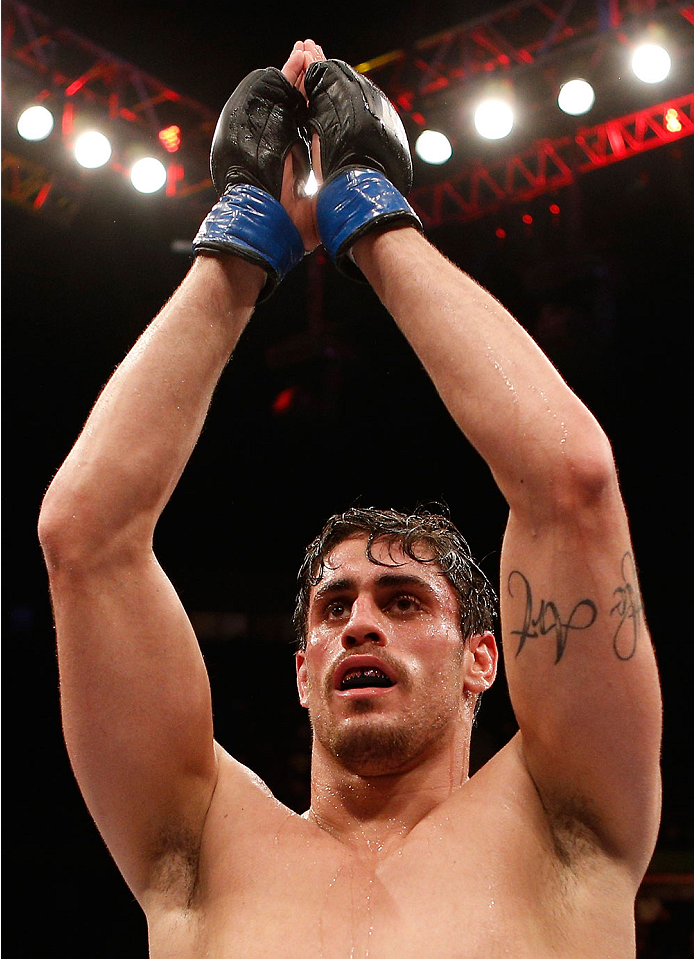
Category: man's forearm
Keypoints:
(142, 430)
(500, 388)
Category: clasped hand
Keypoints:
(301, 208)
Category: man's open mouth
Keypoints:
(364, 676)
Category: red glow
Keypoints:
(418, 118)
(500, 232)
(170, 138)
(283, 400)
(42, 195)
(174, 174)
(68, 119)
(75, 86)
(527, 219)
(554, 209)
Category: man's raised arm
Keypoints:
(134, 690)
(579, 661)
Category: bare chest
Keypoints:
(446, 892)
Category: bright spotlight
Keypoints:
(494, 119)
(92, 150)
(651, 63)
(148, 175)
(35, 123)
(433, 147)
(576, 97)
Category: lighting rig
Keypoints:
(500, 110)
(72, 109)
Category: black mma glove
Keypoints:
(256, 130)
(365, 159)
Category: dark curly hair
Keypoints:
(477, 601)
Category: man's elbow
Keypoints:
(591, 473)
(579, 482)
(77, 534)
(64, 531)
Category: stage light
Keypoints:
(433, 147)
(35, 123)
(170, 138)
(92, 150)
(651, 63)
(672, 121)
(576, 97)
(494, 119)
(148, 175)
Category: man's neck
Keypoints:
(373, 813)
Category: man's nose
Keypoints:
(364, 625)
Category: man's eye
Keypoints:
(336, 610)
(405, 604)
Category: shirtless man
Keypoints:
(401, 854)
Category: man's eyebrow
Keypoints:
(404, 579)
(387, 580)
(336, 586)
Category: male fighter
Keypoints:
(541, 852)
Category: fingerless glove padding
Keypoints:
(357, 124)
(260, 123)
(257, 128)
(365, 160)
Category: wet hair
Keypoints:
(428, 526)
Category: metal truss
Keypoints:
(51, 64)
(35, 189)
(519, 35)
(46, 62)
(548, 165)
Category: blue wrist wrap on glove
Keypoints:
(349, 205)
(250, 223)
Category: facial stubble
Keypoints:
(369, 743)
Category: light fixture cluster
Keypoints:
(92, 148)
(494, 118)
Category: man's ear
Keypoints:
(482, 661)
(301, 677)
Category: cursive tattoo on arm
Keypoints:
(627, 607)
(548, 618)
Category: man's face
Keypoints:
(384, 671)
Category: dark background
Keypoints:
(606, 292)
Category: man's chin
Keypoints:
(371, 746)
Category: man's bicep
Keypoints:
(582, 676)
(136, 713)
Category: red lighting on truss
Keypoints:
(547, 165)
(42, 195)
(170, 138)
(174, 175)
